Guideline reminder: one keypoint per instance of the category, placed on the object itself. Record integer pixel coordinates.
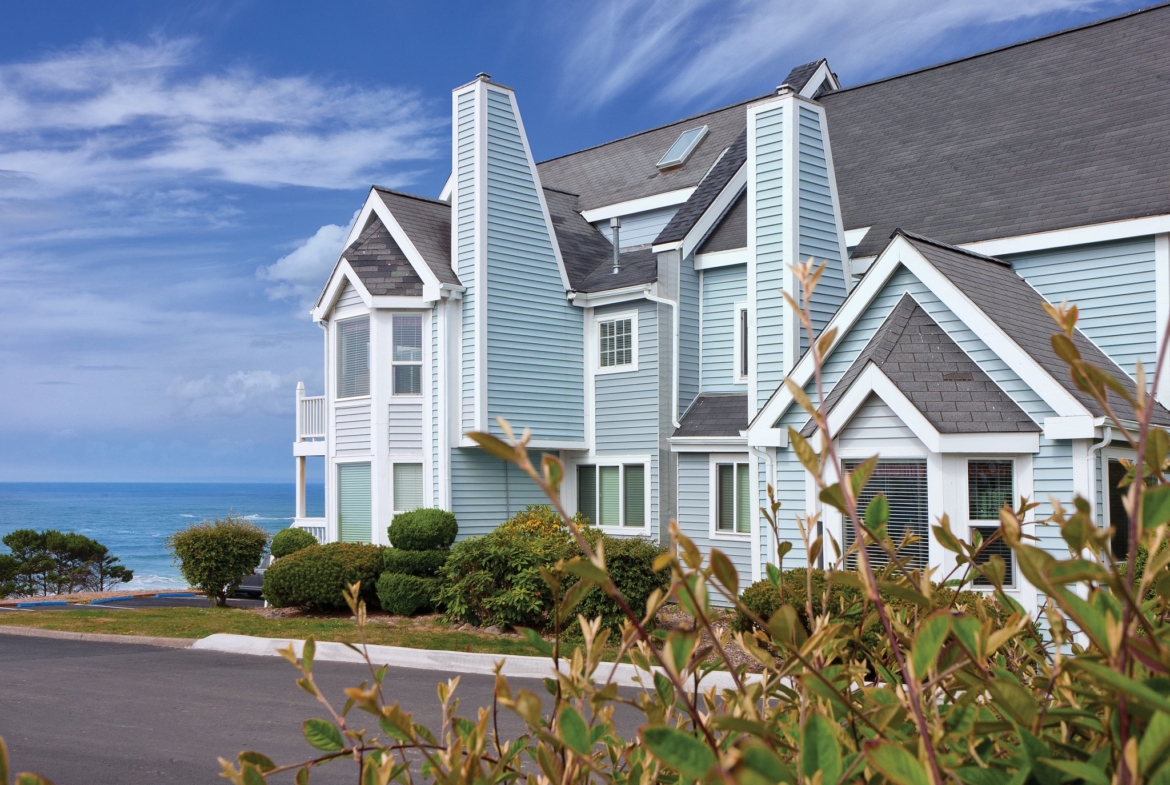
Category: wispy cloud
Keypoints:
(301, 273)
(242, 392)
(696, 48)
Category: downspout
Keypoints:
(1093, 480)
(757, 557)
(674, 393)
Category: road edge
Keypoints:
(96, 637)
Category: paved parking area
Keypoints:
(196, 601)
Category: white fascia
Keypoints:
(448, 188)
(901, 253)
(712, 214)
(853, 237)
(1077, 235)
(873, 381)
(822, 74)
(537, 444)
(705, 444)
(341, 273)
(646, 203)
(612, 296)
(709, 261)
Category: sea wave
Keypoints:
(141, 582)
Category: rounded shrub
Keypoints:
(316, 577)
(214, 556)
(421, 563)
(288, 541)
(426, 529)
(630, 562)
(406, 595)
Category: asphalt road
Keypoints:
(84, 713)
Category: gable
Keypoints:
(381, 264)
(876, 429)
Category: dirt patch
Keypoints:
(673, 618)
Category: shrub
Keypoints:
(316, 577)
(406, 595)
(630, 561)
(214, 556)
(423, 530)
(287, 541)
(424, 564)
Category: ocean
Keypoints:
(134, 519)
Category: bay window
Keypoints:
(353, 357)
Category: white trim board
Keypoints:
(709, 261)
(644, 204)
(342, 273)
(1077, 235)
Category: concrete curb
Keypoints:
(37, 632)
(515, 665)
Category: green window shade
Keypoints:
(725, 503)
(635, 495)
(609, 479)
(587, 492)
(743, 499)
(353, 357)
(408, 486)
(353, 502)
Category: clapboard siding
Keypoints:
(1052, 478)
(465, 207)
(436, 478)
(626, 402)
(875, 429)
(1112, 285)
(769, 223)
(694, 516)
(349, 303)
(535, 354)
(487, 491)
(817, 221)
(639, 228)
(689, 349)
(352, 428)
(406, 425)
(723, 287)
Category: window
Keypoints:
(407, 355)
(990, 485)
(353, 357)
(733, 498)
(903, 483)
(616, 342)
(682, 148)
(613, 495)
(408, 487)
(741, 343)
(353, 502)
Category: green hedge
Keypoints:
(289, 541)
(406, 595)
(424, 564)
(427, 529)
(316, 577)
(214, 556)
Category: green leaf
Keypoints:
(859, 477)
(928, 642)
(973, 775)
(877, 513)
(262, 762)
(308, 653)
(725, 571)
(1155, 506)
(491, 444)
(323, 735)
(804, 452)
(1082, 771)
(833, 497)
(574, 732)
(573, 598)
(762, 761)
(1122, 683)
(679, 751)
(896, 764)
(3, 763)
(664, 688)
(538, 643)
(252, 775)
(774, 575)
(1013, 700)
(552, 469)
(819, 750)
(302, 777)
(1155, 741)
(31, 779)
(586, 571)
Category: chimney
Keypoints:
(615, 227)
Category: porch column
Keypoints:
(300, 513)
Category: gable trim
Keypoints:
(374, 205)
(1077, 235)
(342, 272)
(713, 214)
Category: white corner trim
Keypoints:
(1077, 235)
(1161, 310)
(715, 211)
(612, 296)
(709, 261)
(790, 211)
(853, 237)
(834, 197)
(341, 273)
(631, 206)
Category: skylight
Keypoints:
(682, 148)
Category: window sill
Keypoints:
(615, 369)
(617, 531)
(353, 398)
(725, 535)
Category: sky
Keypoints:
(176, 179)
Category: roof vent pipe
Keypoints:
(615, 226)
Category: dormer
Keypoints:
(811, 80)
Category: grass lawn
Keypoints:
(200, 622)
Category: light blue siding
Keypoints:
(535, 357)
(694, 516)
(639, 228)
(1112, 285)
(770, 261)
(436, 477)
(723, 287)
(465, 248)
(1052, 477)
(688, 333)
(487, 491)
(817, 221)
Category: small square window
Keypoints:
(616, 341)
(408, 487)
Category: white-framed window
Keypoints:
(991, 484)
(408, 486)
(904, 484)
(732, 497)
(613, 494)
(406, 357)
(353, 357)
(617, 342)
(740, 344)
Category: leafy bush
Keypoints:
(53, 562)
(406, 595)
(630, 562)
(287, 541)
(316, 577)
(427, 529)
(424, 564)
(214, 556)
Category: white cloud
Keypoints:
(302, 273)
(693, 48)
(240, 393)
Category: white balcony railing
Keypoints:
(310, 415)
(314, 526)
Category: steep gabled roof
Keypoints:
(703, 197)
(380, 263)
(798, 77)
(731, 231)
(722, 415)
(427, 222)
(938, 377)
(588, 254)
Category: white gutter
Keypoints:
(674, 393)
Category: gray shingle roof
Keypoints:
(1018, 310)
(381, 264)
(942, 382)
(427, 222)
(715, 415)
(710, 188)
(798, 77)
(731, 231)
(588, 256)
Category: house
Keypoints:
(625, 302)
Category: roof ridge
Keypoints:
(383, 189)
(947, 246)
(998, 49)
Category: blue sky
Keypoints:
(176, 178)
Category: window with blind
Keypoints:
(903, 483)
(353, 357)
(990, 485)
(353, 502)
(616, 342)
(733, 498)
(742, 370)
(406, 357)
(613, 495)
(408, 487)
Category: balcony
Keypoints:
(310, 423)
(314, 526)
